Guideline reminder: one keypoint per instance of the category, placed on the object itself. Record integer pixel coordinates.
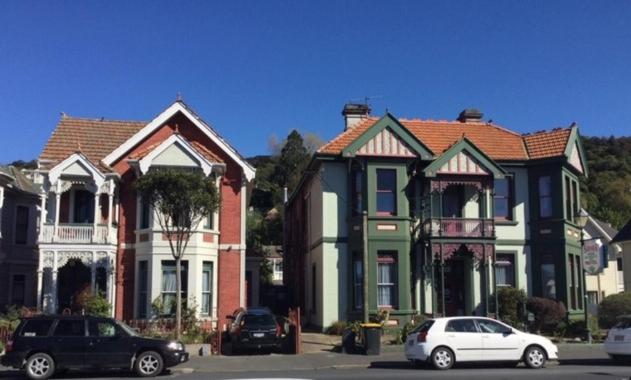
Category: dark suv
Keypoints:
(254, 328)
(44, 344)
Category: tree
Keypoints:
(181, 200)
(294, 158)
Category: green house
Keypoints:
(452, 211)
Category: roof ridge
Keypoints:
(545, 131)
(344, 133)
(102, 120)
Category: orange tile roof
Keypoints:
(438, 136)
(94, 138)
(547, 143)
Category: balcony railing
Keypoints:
(78, 234)
(457, 227)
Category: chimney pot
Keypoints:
(470, 114)
(354, 113)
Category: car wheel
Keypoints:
(535, 357)
(148, 364)
(40, 366)
(443, 358)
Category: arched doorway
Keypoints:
(72, 278)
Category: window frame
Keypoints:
(184, 274)
(510, 198)
(393, 191)
(358, 281)
(143, 288)
(512, 266)
(207, 266)
(388, 258)
(25, 227)
(547, 196)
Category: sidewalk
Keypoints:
(568, 353)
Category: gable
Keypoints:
(463, 163)
(386, 143)
(464, 158)
(575, 159)
(387, 137)
(162, 118)
(175, 155)
(76, 169)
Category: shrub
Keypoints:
(511, 301)
(336, 328)
(612, 307)
(548, 313)
(382, 316)
(93, 304)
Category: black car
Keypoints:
(254, 328)
(44, 344)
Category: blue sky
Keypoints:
(261, 68)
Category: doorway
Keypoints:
(73, 278)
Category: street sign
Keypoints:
(592, 257)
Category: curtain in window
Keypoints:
(358, 284)
(386, 278)
(207, 279)
(168, 290)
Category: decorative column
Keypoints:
(42, 215)
(1, 204)
(97, 215)
(57, 206)
(40, 275)
(54, 284)
(93, 273)
(110, 203)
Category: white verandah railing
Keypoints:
(78, 233)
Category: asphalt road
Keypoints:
(586, 369)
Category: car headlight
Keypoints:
(175, 346)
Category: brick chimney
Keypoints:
(354, 113)
(470, 114)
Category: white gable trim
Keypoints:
(575, 158)
(176, 107)
(176, 139)
(59, 169)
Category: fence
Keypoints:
(165, 327)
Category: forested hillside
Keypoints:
(607, 191)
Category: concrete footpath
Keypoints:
(392, 356)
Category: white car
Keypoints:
(618, 342)
(445, 341)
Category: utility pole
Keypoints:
(365, 265)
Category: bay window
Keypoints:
(387, 280)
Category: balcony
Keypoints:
(78, 234)
(459, 227)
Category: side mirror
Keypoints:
(509, 331)
(229, 316)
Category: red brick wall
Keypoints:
(229, 221)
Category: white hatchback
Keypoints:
(618, 341)
(443, 341)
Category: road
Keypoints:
(590, 369)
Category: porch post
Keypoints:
(486, 282)
(57, 206)
(1, 204)
(54, 285)
(97, 214)
(442, 279)
(110, 202)
(40, 273)
(434, 300)
(93, 273)
(42, 215)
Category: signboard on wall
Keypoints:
(592, 257)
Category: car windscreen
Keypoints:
(127, 329)
(36, 327)
(423, 327)
(258, 320)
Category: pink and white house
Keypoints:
(96, 231)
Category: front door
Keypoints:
(69, 342)
(498, 341)
(108, 346)
(72, 279)
(454, 288)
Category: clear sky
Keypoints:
(260, 68)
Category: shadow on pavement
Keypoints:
(14, 374)
(592, 362)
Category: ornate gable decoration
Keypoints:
(386, 143)
(77, 165)
(463, 163)
(575, 159)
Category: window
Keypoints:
(569, 212)
(503, 198)
(619, 264)
(83, 206)
(592, 298)
(17, 290)
(358, 282)
(102, 329)
(505, 270)
(142, 289)
(386, 280)
(357, 192)
(207, 286)
(386, 191)
(572, 282)
(548, 278)
(145, 213)
(36, 327)
(70, 327)
(169, 286)
(579, 287)
(576, 206)
(492, 327)
(21, 224)
(461, 325)
(209, 221)
(545, 197)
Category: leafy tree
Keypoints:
(21, 164)
(293, 159)
(180, 199)
(612, 307)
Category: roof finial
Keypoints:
(177, 129)
(78, 146)
(63, 115)
(178, 97)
